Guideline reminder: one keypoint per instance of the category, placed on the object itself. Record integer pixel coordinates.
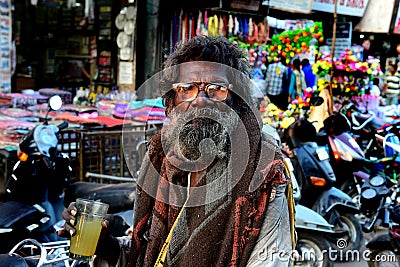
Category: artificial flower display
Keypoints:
(350, 76)
(276, 117)
(289, 43)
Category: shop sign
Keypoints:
(125, 72)
(344, 7)
(343, 37)
(299, 6)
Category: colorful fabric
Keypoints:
(16, 112)
(276, 73)
(11, 125)
(157, 103)
(99, 120)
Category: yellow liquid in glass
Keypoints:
(83, 244)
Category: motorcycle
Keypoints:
(316, 181)
(311, 228)
(363, 127)
(34, 192)
(29, 252)
(348, 160)
(383, 198)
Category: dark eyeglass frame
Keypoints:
(182, 88)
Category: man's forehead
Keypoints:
(198, 70)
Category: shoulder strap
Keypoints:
(291, 208)
(163, 253)
(292, 213)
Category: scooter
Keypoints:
(349, 163)
(120, 196)
(313, 231)
(316, 180)
(29, 252)
(363, 127)
(34, 192)
(345, 155)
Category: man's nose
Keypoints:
(201, 99)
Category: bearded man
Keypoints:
(211, 189)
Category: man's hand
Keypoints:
(107, 246)
(69, 215)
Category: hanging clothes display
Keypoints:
(230, 26)
(204, 29)
(213, 26)
(187, 24)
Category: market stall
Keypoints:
(352, 80)
(104, 137)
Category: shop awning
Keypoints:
(377, 17)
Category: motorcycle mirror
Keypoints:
(316, 101)
(55, 102)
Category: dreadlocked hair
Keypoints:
(214, 49)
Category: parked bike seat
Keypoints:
(12, 213)
(118, 196)
(7, 260)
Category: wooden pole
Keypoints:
(333, 53)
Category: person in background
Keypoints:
(211, 169)
(277, 83)
(375, 89)
(309, 75)
(374, 96)
(392, 86)
(297, 81)
(319, 113)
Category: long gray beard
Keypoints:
(202, 132)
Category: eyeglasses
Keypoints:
(189, 91)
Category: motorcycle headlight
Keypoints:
(369, 194)
(369, 199)
(377, 181)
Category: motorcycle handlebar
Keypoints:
(28, 138)
(63, 125)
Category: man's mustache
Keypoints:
(201, 131)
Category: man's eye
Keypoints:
(217, 87)
(184, 87)
(190, 87)
(214, 87)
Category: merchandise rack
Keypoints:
(109, 152)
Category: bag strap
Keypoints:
(163, 253)
(291, 207)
